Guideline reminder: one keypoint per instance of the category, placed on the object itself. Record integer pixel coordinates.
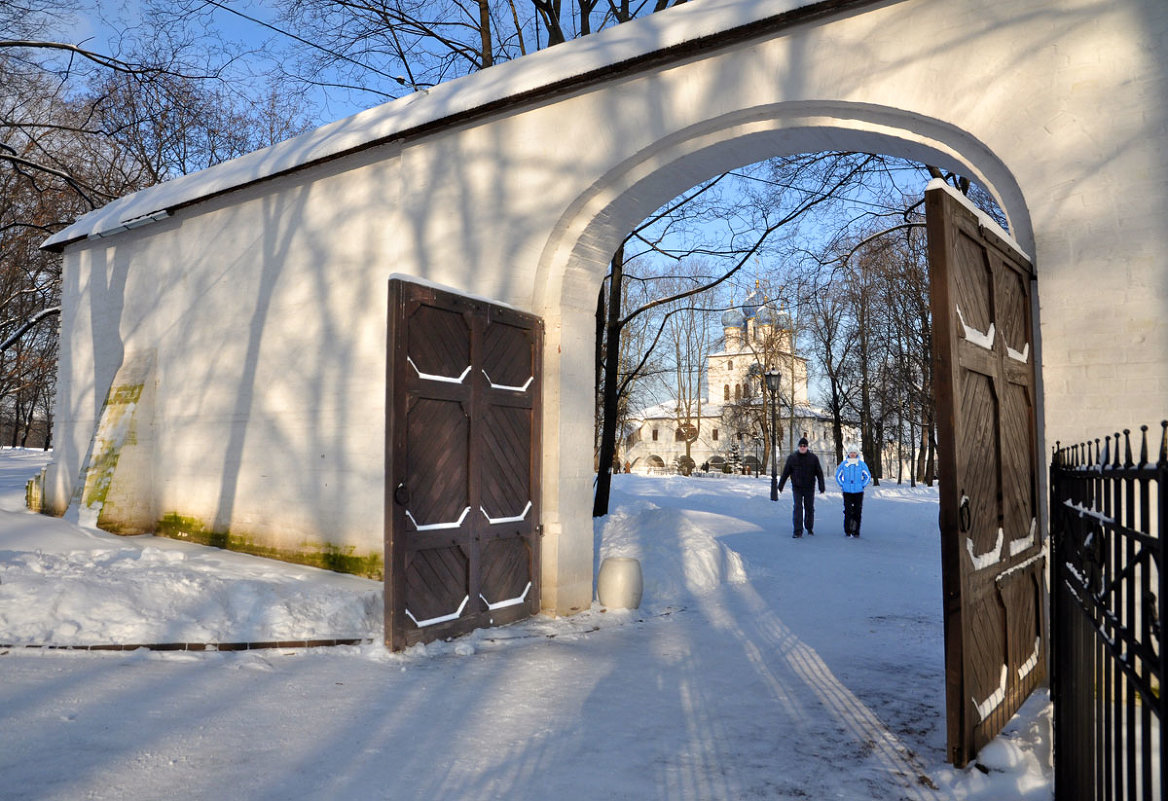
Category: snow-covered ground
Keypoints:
(757, 666)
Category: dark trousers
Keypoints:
(853, 507)
(804, 516)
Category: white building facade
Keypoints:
(729, 430)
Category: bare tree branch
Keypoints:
(28, 325)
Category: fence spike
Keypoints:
(1116, 464)
(1105, 459)
(1098, 462)
(1164, 444)
(1144, 446)
(1127, 457)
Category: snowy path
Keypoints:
(757, 667)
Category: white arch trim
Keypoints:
(583, 242)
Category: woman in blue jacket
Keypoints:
(853, 475)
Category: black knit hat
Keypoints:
(802, 441)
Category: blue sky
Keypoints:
(101, 22)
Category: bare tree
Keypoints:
(808, 182)
(833, 340)
(907, 295)
(383, 48)
(79, 128)
(688, 338)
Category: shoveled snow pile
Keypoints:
(63, 584)
(150, 590)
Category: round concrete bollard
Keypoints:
(619, 584)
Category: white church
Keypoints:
(728, 431)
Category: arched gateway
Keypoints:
(224, 347)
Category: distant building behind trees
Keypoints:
(731, 431)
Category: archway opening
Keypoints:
(802, 283)
(840, 311)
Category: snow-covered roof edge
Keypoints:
(984, 219)
(682, 27)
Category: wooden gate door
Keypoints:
(993, 565)
(462, 472)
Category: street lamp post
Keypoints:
(773, 380)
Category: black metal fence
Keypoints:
(1107, 513)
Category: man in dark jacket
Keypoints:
(803, 469)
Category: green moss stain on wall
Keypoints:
(322, 554)
(126, 393)
(115, 432)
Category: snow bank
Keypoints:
(145, 590)
(679, 553)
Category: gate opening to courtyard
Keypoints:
(813, 267)
(799, 299)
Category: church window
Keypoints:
(654, 435)
(715, 435)
(726, 392)
(737, 392)
(730, 364)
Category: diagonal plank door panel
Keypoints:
(462, 464)
(992, 555)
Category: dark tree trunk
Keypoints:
(612, 332)
(598, 375)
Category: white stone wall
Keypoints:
(269, 405)
(267, 306)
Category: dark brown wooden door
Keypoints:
(462, 473)
(991, 548)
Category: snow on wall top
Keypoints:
(657, 32)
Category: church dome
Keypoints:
(750, 305)
(733, 318)
(767, 316)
